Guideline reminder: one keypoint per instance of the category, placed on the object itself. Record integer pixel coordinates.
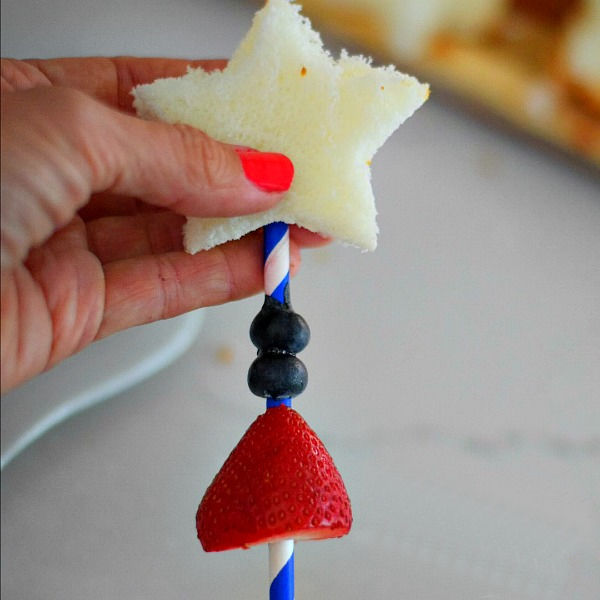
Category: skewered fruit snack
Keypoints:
(283, 92)
(279, 481)
(279, 484)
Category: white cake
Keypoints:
(283, 92)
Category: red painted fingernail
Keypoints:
(269, 171)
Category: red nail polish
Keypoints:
(269, 171)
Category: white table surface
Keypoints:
(454, 376)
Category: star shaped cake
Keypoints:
(283, 92)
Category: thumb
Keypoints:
(182, 168)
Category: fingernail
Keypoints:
(270, 171)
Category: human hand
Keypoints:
(92, 205)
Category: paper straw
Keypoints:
(281, 570)
(276, 260)
(277, 274)
(277, 277)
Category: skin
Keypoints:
(93, 200)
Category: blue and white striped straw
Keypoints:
(276, 260)
(277, 277)
(277, 273)
(281, 570)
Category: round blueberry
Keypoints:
(277, 375)
(278, 327)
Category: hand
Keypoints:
(92, 205)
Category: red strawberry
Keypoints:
(278, 483)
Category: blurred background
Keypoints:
(454, 373)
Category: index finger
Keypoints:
(109, 79)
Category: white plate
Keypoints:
(100, 371)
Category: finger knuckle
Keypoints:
(170, 287)
(205, 162)
(75, 105)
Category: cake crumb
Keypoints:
(225, 355)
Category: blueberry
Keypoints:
(278, 327)
(277, 375)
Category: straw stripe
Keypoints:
(277, 260)
(273, 402)
(277, 277)
(277, 273)
(281, 570)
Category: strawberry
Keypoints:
(278, 483)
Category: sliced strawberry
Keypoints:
(278, 483)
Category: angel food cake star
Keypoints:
(283, 92)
